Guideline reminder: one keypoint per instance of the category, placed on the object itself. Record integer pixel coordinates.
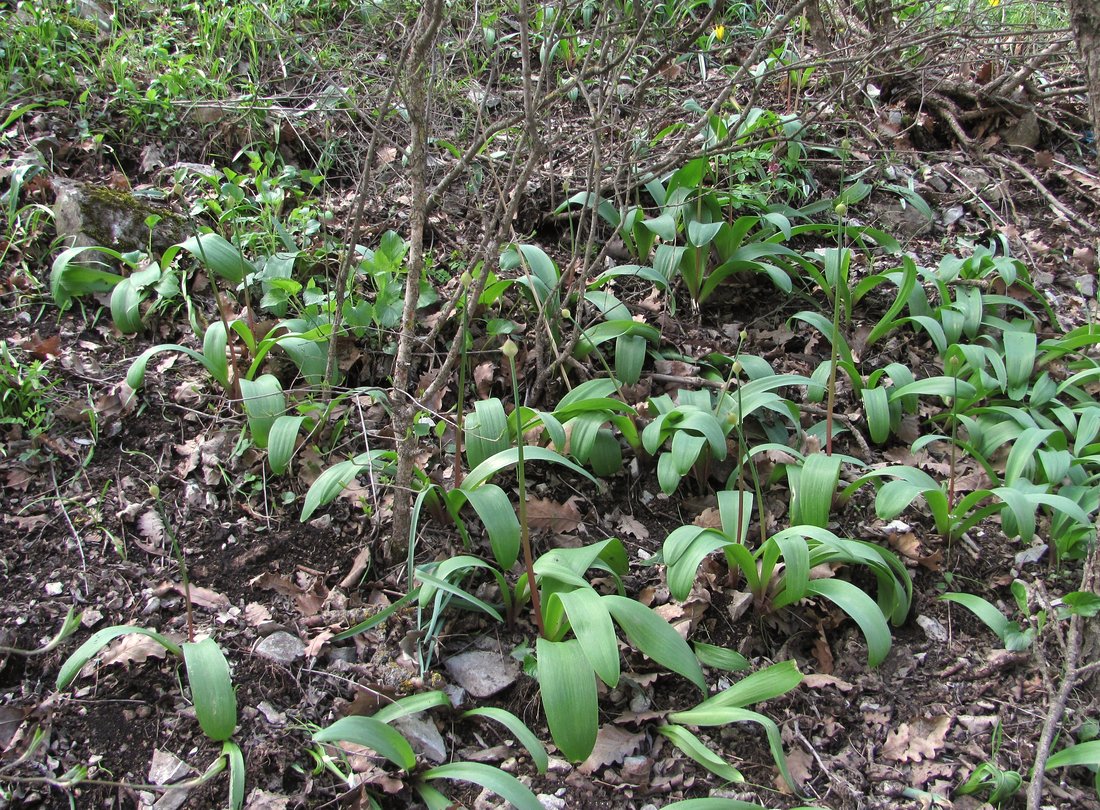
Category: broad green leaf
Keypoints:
(863, 611)
(100, 639)
(942, 386)
(1020, 355)
(812, 502)
(1086, 753)
(773, 681)
(663, 226)
(724, 715)
(503, 784)
(685, 549)
(126, 307)
(373, 734)
(984, 610)
(716, 803)
(499, 518)
(630, 353)
(655, 637)
(211, 688)
(446, 586)
(69, 278)
(432, 798)
(413, 704)
(592, 625)
(508, 458)
(876, 406)
(232, 752)
(380, 616)
(218, 255)
(486, 431)
(516, 726)
(334, 480)
(568, 686)
(135, 376)
(281, 441)
(710, 655)
(263, 402)
(691, 745)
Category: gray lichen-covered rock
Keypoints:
(87, 214)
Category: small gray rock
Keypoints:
(482, 673)
(281, 647)
(423, 736)
(932, 628)
(551, 802)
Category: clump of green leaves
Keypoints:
(211, 687)
(777, 571)
(377, 733)
(25, 394)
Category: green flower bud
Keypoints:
(840, 209)
(509, 349)
(465, 279)
(154, 491)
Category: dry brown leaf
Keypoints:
(633, 527)
(205, 597)
(483, 378)
(709, 518)
(43, 348)
(675, 368)
(317, 643)
(191, 457)
(133, 648)
(917, 741)
(906, 544)
(276, 582)
(933, 562)
(613, 744)
(256, 614)
(543, 513)
(799, 762)
(818, 680)
(17, 479)
(824, 655)
(358, 567)
(151, 527)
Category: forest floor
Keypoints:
(80, 528)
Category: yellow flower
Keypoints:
(994, 3)
(720, 30)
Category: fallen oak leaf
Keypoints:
(613, 745)
(917, 741)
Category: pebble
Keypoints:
(482, 674)
(281, 647)
(932, 628)
(423, 736)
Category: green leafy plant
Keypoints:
(778, 571)
(1016, 502)
(611, 319)
(25, 394)
(1000, 784)
(211, 688)
(728, 706)
(377, 733)
(695, 426)
(1014, 637)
